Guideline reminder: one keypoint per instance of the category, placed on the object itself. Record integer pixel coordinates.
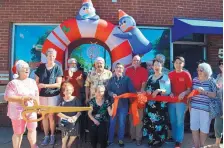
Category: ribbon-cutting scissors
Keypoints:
(43, 110)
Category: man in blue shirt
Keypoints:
(117, 85)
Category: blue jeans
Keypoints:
(121, 114)
(177, 114)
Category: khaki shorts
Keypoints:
(50, 101)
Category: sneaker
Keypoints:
(45, 141)
(52, 140)
(121, 143)
(109, 143)
(177, 145)
(138, 142)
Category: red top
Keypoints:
(180, 82)
(137, 76)
(74, 82)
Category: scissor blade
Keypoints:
(67, 109)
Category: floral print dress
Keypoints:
(155, 125)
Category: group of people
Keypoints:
(53, 87)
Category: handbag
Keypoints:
(215, 105)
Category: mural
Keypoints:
(29, 39)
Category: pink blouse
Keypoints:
(27, 87)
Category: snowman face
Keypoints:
(87, 11)
(126, 22)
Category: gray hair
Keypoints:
(100, 86)
(21, 64)
(51, 50)
(161, 57)
(207, 69)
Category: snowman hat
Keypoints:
(121, 13)
(18, 65)
(87, 1)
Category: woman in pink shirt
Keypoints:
(18, 90)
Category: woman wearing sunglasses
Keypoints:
(199, 113)
(218, 126)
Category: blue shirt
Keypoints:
(200, 101)
(120, 86)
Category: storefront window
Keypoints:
(160, 39)
(195, 37)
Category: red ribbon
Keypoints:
(142, 98)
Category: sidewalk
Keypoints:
(6, 134)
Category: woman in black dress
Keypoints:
(69, 124)
(155, 119)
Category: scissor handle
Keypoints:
(30, 120)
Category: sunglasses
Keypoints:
(200, 70)
(220, 64)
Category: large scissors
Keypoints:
(43, 110)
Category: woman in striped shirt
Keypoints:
(199, 114)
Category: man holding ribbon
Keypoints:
(117, 85)
(138, 76)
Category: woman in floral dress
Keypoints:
(155, 119)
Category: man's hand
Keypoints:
(114, 95)
(181, 96)
(79, 78)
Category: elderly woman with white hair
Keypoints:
(199, 112)
(22, 90)
(49, 79)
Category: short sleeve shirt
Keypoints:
(200, 101)
(100, 112)
(180, 82)
(72, 103)
(49, 77)
(137, 76)
(27, 87)
(94, 79)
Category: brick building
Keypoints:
(147, 13)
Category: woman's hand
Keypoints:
(200, 90)
(71, 120)
(96, 122)
(155, 93)
(171, 95)
(148, 92)
(41, 85)
(74, 118)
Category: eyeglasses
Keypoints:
(200, 70)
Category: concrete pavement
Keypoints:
(6, 134)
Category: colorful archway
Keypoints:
(73, 29)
